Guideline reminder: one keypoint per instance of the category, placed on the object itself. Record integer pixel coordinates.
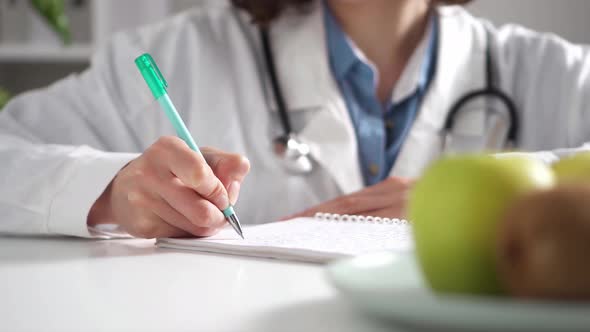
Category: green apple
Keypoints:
(573, 169)
(455, 209)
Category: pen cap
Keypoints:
(152, 75)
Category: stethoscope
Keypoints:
(295, 154)
(496, 101)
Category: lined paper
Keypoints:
(303, 239)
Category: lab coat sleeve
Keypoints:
(61, 146)
(549, 79)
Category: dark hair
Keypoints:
(265, 11)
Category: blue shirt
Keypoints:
(380, 129)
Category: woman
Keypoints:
(367, 86)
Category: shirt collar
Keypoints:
(342, 51)
(344, 54)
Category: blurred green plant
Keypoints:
(4, 98)
(53, 11)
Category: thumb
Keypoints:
(229, 168)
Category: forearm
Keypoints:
(49, 189)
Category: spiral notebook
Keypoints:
(319, 240)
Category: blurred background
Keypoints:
(32, 54)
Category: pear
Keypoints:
(543, 248)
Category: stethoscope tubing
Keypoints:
(489, 91)
(274, 82)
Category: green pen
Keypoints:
(158, 85)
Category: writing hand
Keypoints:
(172, 191)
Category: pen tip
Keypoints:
(235, 223)
(240, 232)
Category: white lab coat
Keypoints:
(61, 146)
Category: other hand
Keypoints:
(386, 199)
(172, 191)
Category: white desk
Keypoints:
(59, 284)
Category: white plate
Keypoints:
(390, 286)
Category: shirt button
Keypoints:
(389, 124)
(374, 169)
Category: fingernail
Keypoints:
(233, 192)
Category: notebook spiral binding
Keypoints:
(359, 219)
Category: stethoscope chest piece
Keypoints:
(293, 154)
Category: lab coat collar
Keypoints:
(411, 76)
(303, 70)
(460, 69)
(300, 44)
(301, 55)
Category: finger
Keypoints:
(350, 204)
(233, 191)
(374, 198)
(396, 211)
(174, 218)
(198, 211)
(192, 169)
(231, 169)
(227, 167)
(389, 185)
(147, 224)
(161, 229)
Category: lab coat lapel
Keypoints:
(303, 70)
(460, 68)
